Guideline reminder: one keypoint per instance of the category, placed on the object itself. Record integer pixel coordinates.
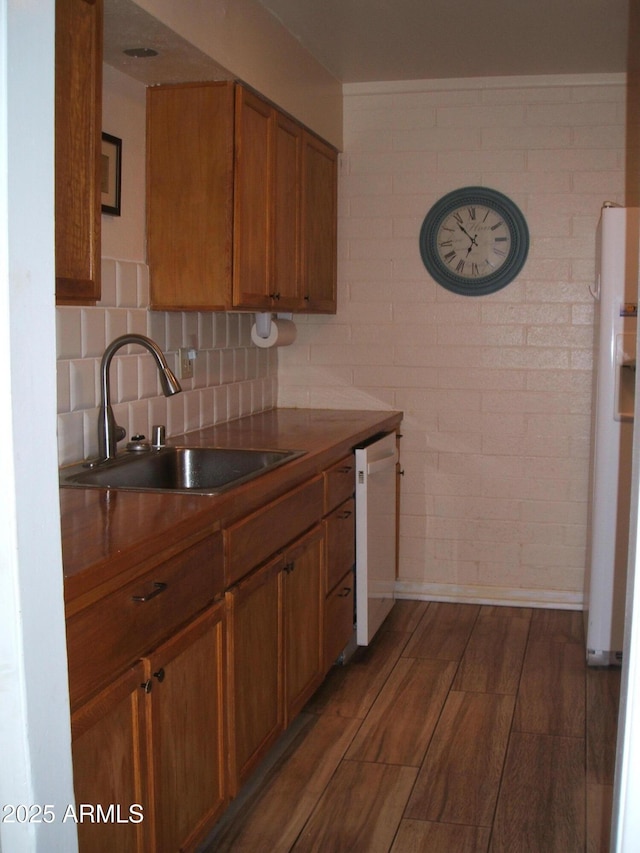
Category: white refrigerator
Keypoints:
(615, 325)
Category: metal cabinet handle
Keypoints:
(147, 685)
(346, 470)
(346, 513)
(159, 674)
(346, 591)
(158, 587)
(289, 567)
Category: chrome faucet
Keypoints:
(109, 433)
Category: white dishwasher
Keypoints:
(375, 534)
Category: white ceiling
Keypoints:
(367, 40)
(376, 40)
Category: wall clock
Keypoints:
(474, 241)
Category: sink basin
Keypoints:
(200, 470)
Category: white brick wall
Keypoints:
(496, 390)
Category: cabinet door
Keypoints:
(339, 619)
(109, 768)
(340, 543)
(285, 232)
(319, 225)
(190, 195)
(303, 600)
(186, 718)
(254, 669)
(252, 201)
(78, 135)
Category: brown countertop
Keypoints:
(109, 535)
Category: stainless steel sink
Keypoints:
(200, 470)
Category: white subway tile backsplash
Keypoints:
(93, 332)
(69, 332)
(117, 324)
(249, 374)
(83, 384)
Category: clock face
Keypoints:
(474, 241)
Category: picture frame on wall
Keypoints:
(111, 174)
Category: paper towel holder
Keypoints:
(263, 322)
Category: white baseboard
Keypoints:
(506, 596)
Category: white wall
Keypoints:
(496, 390)
(34, 702)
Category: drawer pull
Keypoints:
(158, 587)
(289, 567)
(159, 674)
(346, 470)
(346, 591)
(147, 685)
(346, 513)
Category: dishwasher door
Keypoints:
(375, 534)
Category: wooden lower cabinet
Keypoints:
(155, 738)
(254, 669)
(339, 619)
(303, 605)
(339, 576)
(110, 768)
(275, 650)
(186, 732)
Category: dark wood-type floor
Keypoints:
(461, 728)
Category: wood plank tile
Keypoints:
(351, 690)
(599, 805)
(443, 631)
(360, 810)
(405, 615)
(551, 698)
(460, 776)
(492, 661)
(504, 610)
(399, 726)
(558, 626)
(603, 698)
(273, 819)
(542, 798)
(418, 836)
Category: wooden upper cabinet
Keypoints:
(78, 111)
(286, 209)
(252, 201)
(234, 190)
(190, 137)
(319, 225)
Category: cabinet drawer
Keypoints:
(340, 529)
(339, 482)
(338, 619)
(117, 630)
(255, 538)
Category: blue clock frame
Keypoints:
(449, 275)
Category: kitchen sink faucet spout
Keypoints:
(109, 433)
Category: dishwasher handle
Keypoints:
(382, 464)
